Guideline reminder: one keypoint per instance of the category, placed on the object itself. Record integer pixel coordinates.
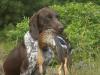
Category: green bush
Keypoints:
(17, 33)
(82, 26)
(12, 11)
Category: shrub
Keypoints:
(82, 26)
(18, 32)
(12, 11)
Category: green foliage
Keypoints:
(82, 26)
(18, 32)
(12, 11)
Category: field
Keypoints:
(77, 69)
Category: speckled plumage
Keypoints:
(58, 45)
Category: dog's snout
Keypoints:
(61, 28)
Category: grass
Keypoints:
(92, 68)
(5, 48)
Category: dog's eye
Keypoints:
(49, 16)
(57, 16)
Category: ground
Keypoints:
(92, 69)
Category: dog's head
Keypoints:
(44, 19)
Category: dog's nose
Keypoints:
(61, 28)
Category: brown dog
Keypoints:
(17, 60)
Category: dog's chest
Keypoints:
(32, 53)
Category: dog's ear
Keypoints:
(33, 26)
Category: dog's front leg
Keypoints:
(41, 69)
(40, 61)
